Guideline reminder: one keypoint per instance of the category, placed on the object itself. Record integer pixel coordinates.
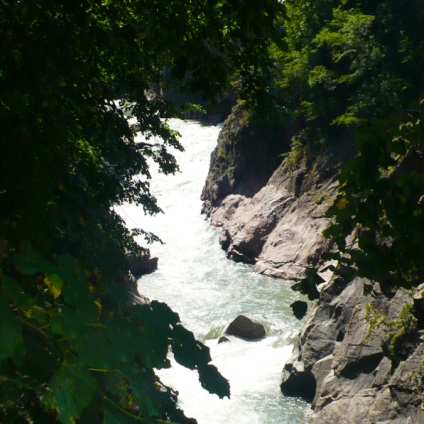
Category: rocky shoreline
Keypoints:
(343, 362)
(356, 359)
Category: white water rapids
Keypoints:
(208, 291)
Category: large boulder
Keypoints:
(272, 211)
(246, 328)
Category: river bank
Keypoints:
(345, 359)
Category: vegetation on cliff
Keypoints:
(353, 70)
(73, 346)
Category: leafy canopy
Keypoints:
(353, 71)
(74, 346)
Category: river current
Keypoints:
(208, 291)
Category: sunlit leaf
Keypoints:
(54, 284)
(341, 204)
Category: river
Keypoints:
(208, 291)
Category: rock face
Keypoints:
(356, 359)
(133, 295)
(138, 266)
(246, 328)
(272, 214)
(246, 156)
(277, 229)
(343, 364)
(143, 264)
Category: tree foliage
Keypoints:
(74, 76)
(353, 70)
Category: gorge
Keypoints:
(342, 361)
(208, 291)
(328, 130)
(345, 361)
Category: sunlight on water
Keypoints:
(208, 291)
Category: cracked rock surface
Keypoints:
(342, 353)
(272, 214)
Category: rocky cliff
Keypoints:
(272, 211)
(358, 358)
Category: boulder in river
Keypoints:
(246, 328)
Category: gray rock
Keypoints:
(409, 375)
(342, 349)
(133, 297)
(275, 229)
(223, 339)
(419, 305)
(346, 409)
(246, 328)
(357, 382)
(383, 373)
(320, 370)
(361, 349)
(142, 264)
(400, 401)
(245, 157)
(326, 323)
(272, 216)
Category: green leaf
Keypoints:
(12, 291)
(299, 309)
(11, 341)
(28, 261)
(398, 146)
(194, 355)
(121, 336)
(334, 230)
(187, 350)
(367, 240)
(212, 380)
(68, 322)
(309, 284)
(115, 415)
(70, 390)
(54, 284)
(143, 385)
